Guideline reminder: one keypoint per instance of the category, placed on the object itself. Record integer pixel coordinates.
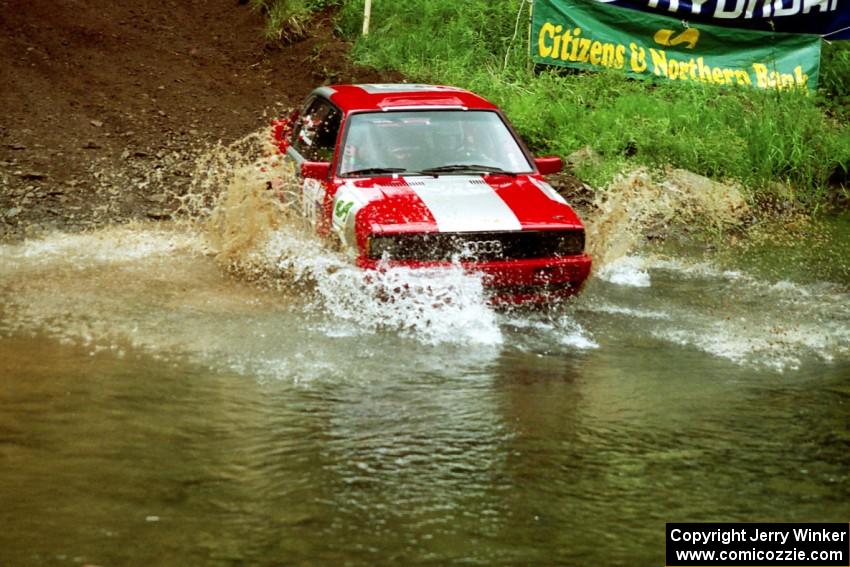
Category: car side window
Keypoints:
(315, 135)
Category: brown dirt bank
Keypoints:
(97, 95)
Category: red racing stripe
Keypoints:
(534, 208)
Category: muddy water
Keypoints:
(170, 398)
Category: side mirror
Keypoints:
(320, 170)
(549, 165)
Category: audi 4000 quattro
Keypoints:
(424, 176)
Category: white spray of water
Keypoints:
(157, 287)
(257, 233)
(734, 315)
(626, 271)
(435, 305)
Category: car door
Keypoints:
(314, 138)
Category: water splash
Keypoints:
(640, 202)
(436, 305)
(240, 281)
(625, 270)
(258, 236)
(730, 314)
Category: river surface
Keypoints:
(155, 410)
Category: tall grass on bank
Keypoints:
(763, 139)
(287, 20)
(835, 78)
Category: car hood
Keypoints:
(455, 203)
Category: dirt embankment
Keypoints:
(102, 102)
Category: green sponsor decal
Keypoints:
(341, 210)
(592, 35)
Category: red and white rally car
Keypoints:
(422, 176)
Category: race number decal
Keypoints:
(347, 201)
(341, 211)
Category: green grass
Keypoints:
(287, 20)
(835, 79)
(759, 138)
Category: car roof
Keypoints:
(401, 96)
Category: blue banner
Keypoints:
(827, 18)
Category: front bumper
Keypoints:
(514, 281)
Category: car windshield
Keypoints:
(431, 142)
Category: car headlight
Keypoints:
(570, 243)
(379, 246)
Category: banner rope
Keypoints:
(826, 35)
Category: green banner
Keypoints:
(592, 35)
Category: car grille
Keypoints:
(478, 246)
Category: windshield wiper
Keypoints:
(376, 170)
(466, 167)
